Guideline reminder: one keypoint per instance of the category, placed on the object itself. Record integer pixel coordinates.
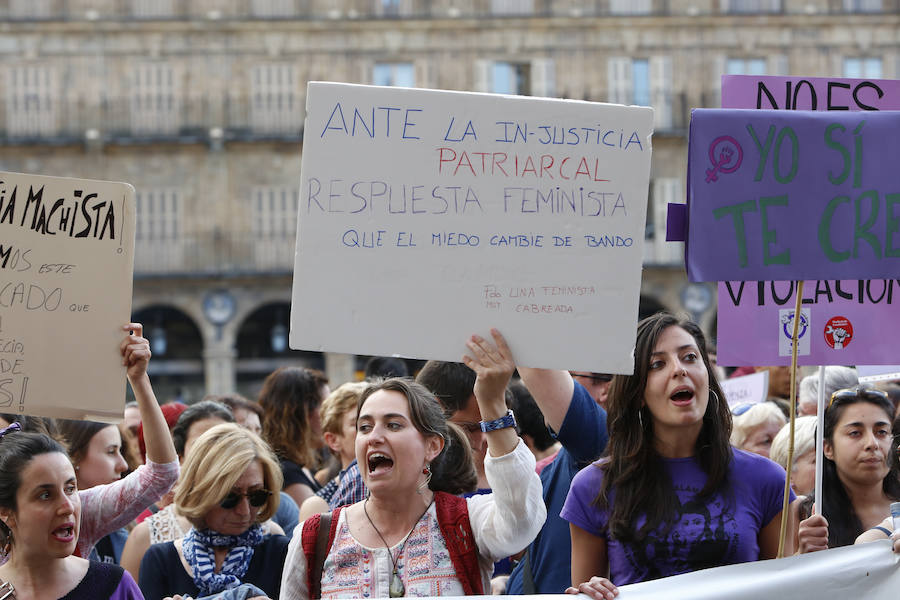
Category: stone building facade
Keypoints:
(200, 105)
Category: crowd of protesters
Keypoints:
(467, 478)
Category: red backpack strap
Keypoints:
(316, 545)
(453, 519)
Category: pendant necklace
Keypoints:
(396, 589)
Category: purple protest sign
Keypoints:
(809, 93)
(842, 322)
(789, 195)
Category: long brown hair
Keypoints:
(844, 524)
(634, 470)
(288, 398)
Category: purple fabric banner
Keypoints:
(809, 93)
(788, 195)
(842, 322)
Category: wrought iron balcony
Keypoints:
(299, 10)
(43, 119)
(213, 254)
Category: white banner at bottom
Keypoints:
(868, 571)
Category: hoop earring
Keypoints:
(716, 396)
(7, 539)
(641, 417)
(426, 471)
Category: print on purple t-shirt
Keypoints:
(720, 529)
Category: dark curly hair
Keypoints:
(289, 397)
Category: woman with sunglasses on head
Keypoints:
(228, 487)
(672, 495)
(859, 475)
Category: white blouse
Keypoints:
(503, 523)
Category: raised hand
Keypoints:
(135, 351)
(493, 364)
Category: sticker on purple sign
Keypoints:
(726, 156)
(844, 322)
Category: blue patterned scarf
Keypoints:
(198, 548)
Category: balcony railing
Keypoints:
(201, 120)
(165, 118)
(214, 254)
(227, 10)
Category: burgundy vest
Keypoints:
(453, 519)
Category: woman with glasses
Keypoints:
(755, 426)
(672, 495)
(859, 476)
(228, 487)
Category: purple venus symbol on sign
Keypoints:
(725, 155)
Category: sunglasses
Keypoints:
(597, 377)
(741, 409)
(468, 427)
(256, 498)
(858, 392)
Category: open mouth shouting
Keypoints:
(683, 396)
(379, 463)
(65, 533)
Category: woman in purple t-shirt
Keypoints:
(672, 495)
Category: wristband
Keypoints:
(507, 420)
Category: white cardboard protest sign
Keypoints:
(746, 389)
(426, 216)
(66, 260)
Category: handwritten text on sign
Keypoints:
(809, 93)
(66, 256)
(426, 216)
(777, 195)
(843, 321)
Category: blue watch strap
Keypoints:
(507, 420)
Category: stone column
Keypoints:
(219, 367)
(340, 368)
